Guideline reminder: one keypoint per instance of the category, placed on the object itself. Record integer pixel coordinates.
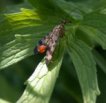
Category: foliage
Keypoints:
(21, 29)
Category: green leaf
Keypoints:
(77, 9)
(96, 19)
(17, 50)
(83, 6)
(70, 8)
(100, 60)
(41, 83)
(40, 5)
(26, 22)
(48, 10)
(90, 13)
(85, 66)
(95, 35)
(3, 101)
(17, 23)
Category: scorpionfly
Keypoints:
(48, 43)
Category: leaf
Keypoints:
(88, 12)
(95, 35)
(86, 70)
(96, 20)
(40, 5)
(71, 9)
(100, 60)
(24, 22)
(16, 50)
(78, 9)
(3, 101)
(49, 11)
(40, 84)
(82, 5)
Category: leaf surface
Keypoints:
(41, 83)
(85, 66)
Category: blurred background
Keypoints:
(4, 3)
(67, 89)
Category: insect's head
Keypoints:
(41, 49)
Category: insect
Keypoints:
(48, 43)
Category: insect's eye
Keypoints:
(40, 42)
(42, 48)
